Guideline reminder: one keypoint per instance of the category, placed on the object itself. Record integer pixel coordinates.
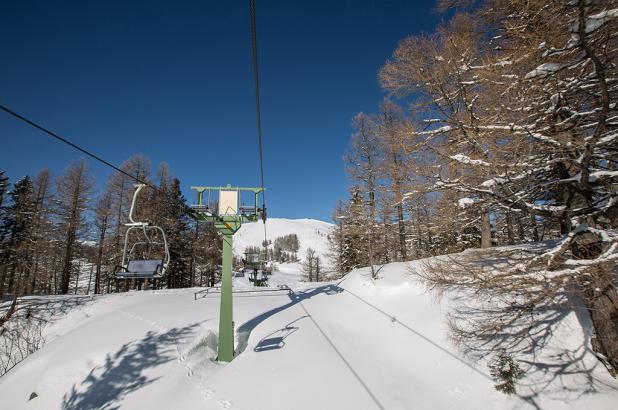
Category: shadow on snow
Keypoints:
(124, 371)
(244, 331)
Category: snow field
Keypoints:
(311, 234)
(354, 344)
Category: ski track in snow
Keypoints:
(207, 393)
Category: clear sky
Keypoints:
(172, 80)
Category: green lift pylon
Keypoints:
(227, 220)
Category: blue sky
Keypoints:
(172, 80)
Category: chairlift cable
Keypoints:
(33, 124)
(256, 82)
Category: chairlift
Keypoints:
(254, 261)
(150, 265)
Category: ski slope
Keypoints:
(354, 344)
(311, 234)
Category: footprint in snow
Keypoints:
(224, 404)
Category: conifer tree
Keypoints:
(309, 265)
(103, 219)
(73, 196)
(17, 237)
(4, 186)
(177, 228)
(42, 233)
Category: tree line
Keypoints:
(498, 128)
(50, 227)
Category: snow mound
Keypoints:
(311, 234)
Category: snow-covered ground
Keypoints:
(311, 234)
(352, 344)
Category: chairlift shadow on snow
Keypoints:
(276, 339)
(124, 371)
(244, 331)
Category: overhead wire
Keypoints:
(256, 83)
(343, 359)
(64, 140)
(186, 208)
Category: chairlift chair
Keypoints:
(150, 267)
(254, 261)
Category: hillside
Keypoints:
(311, 234)
(360, 343)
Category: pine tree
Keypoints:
(355, 233)
(177, 228)
(4, 186)
(336, 238)
(17, 237)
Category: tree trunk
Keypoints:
(2, 279)
(12, 277)
(520, 230)
(485, 229)
(535, 229)
(67, 264)
(602, 302)
(402, 232)
(372, 219)
(89, 279)
(97, 276)
(509, 228)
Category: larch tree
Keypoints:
(364, 159)
(438, 69)
(42, 233)
(396, 150)
(103, 219)
(309, 265)
(72, 199)
(121, 188)
(526, 94)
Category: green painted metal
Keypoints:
(226, 317)
(226, 225)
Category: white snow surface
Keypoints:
(354, 344)
(545, 69)
(464, 202)
(312, 233)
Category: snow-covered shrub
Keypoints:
(19, 337)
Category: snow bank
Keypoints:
(354, 344)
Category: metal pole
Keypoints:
(226, 326)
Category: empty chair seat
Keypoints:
(142, 268)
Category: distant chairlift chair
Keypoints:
(144, 269)
(255, 263)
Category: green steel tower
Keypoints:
(227, 219)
